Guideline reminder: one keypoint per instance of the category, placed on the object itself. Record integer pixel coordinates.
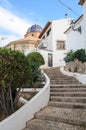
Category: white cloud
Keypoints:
(13, 23)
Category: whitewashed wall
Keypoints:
(27, 51)
(75, 40)
(57, 33)
(47, 40)
(58, 29)
(45, 56)
(84, 23)
(58, 57)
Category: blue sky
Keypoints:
(16, 16)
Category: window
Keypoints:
(32, 34)
(48, 32)
(60, 45)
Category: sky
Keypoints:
(16, 16)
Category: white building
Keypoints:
(53, 42)
(76, 36)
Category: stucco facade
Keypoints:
(84, 22)
(75, 39)
(53, 33)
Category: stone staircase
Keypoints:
(67, 105)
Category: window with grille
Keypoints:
(60, 45)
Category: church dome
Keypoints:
(35, 28)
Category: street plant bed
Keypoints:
(38, 84)
(17, 71)
(25, 95)
(2, 116)
(28, 95)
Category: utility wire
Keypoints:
(68, 8)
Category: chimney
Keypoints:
(66, 16)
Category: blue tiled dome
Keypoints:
(35, 28)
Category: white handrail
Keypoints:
(17, 121)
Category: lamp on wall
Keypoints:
(75, 29)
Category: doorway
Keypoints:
(50, 59)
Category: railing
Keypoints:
(17, 121)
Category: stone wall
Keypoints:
(76, 66)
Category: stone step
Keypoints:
(64, 79)
(67, 104)
(68, 99)
(68, 89)
(71, 94)
(59, 75)
(67, 86)
(62, 82)
(39, 124)
(71, 116)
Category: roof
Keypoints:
(31, 40)
(35, 28)
(75, 23)
(81, 2)
(44, 29)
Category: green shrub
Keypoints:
(14, 73)
(70, 56)
(35, 61)
(79, 54)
